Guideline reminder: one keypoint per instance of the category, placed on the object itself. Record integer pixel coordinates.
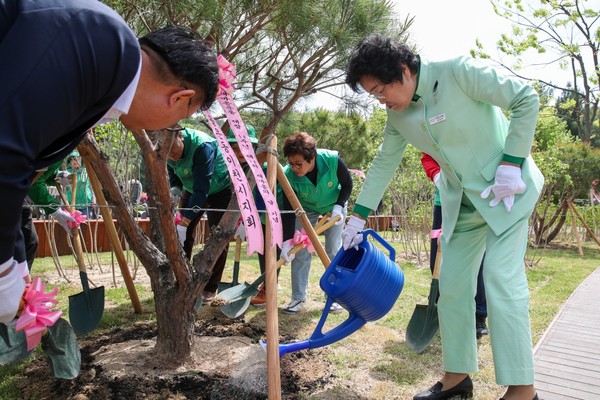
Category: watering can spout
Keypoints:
(294, 346)
(318, 339)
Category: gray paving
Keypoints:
(568, 354)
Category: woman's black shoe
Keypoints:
(534, 397)
(464, 390)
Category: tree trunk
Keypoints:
(176, 283)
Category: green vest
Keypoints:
(38, 192)
(183, 167)
(322, 197)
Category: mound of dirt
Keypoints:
(226, 363)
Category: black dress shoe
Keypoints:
(463, 390)
(534, 397)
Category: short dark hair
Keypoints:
(300, 143)
(189, 59)
(379, 57)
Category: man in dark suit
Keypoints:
(67, 66)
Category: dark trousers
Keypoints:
(480, 302)
(261, 257)
(30, 236)
(218, 200)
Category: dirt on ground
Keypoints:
(227, 363)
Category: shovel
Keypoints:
(85, 308)
(239, 296)
(236, 267)
(424, 323)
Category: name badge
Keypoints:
(437, 119)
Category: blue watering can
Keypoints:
(365, 282)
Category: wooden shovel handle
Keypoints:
(438, 262)
(75, 231)
(238, 249)
(112, 234)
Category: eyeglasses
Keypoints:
(175, 128)
(296, 165)
(379, 94)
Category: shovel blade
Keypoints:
(422, 327)
(236, 308)
(86, 309)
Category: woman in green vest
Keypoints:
(323, 185)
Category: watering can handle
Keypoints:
(382, 241)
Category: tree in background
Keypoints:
(570, 32)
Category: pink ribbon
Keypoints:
(79, 219)
(226, 75)
(37, 314)
(245, 199)
(242, 189)
(300, 237)
(177, 218)
(435, 233)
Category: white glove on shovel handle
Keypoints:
(507, 183)
(61, 216)
(181, 233)
(352, 236)
(286, 247)
(337, 210)
(241, 232)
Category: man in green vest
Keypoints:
(196, 166)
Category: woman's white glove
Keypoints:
(286, 247)
(240, 232)
(507, 183)
(181, 233)
(337, 210)
(62, 177)
(12, 286)
(61, 216)
(352, 236)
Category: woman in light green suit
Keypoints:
(452, 110)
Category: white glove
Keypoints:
(337, 210)
(61, 216)
(62, 177)
(181, 233)
(285, 251)
(436, 179)
(352, 236)
(12, 286)
(241, 232)
(507, 183)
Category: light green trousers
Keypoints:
(507, 296)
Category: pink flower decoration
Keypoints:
(300, 237)
(144, 197)
(37, 313)
(226, 75)
(178, 218)
(79, 219)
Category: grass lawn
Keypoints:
(374, 362)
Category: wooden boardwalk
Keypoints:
(568, 355)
